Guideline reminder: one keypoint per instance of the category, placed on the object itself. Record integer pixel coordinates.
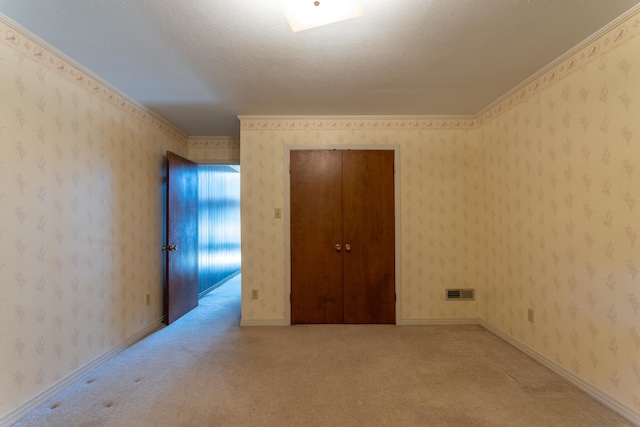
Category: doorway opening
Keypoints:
(218, 226)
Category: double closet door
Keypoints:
(342, 236)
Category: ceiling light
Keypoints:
(306, 14)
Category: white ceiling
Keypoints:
(201, 63)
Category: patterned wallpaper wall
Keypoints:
(437, 182)
(559, 195)
(537, 208)
(80, 218)
(214, 149)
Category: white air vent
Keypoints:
(460, 294)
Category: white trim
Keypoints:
(583, 385)
(46, 394)
(287, 234)
(354, 117)
(559, 60)
(608, 401)
(85, 78)
(263, 322)
(397, 195)
(287, 216)
(440, 321)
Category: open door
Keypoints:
(182, 237)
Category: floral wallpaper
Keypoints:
(80, 225)
(437, 182)
(533, 203)
(559, 199)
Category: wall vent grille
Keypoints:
(460, 294)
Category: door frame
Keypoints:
(287, 217)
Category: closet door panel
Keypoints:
(316, 229)
(369, 230)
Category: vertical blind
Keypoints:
(218, 224)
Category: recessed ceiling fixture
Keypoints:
(306, 14)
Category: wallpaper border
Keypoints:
(28, 44)
(625, 27)
(355, 123)
(213, 141)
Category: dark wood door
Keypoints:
(316, 229)
(342, 236)
(182, 237)
(369, 237)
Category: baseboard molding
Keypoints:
(608, 401)
(583, 385)
(440, 321)
(218, 284)
(46, 394)
(263, 322)
(403, 322)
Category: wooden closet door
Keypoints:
(369, 237)
(316, 229)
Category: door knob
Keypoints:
(170, 248)
(338, 247)
(347, 247)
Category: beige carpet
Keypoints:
(204, 370)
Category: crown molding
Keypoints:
(38, 50)
(266, 123)
(621, 29)
(625, 27)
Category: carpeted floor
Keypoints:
(204, 370)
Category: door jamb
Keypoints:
(287, 217)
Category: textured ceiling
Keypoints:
(200, 63)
